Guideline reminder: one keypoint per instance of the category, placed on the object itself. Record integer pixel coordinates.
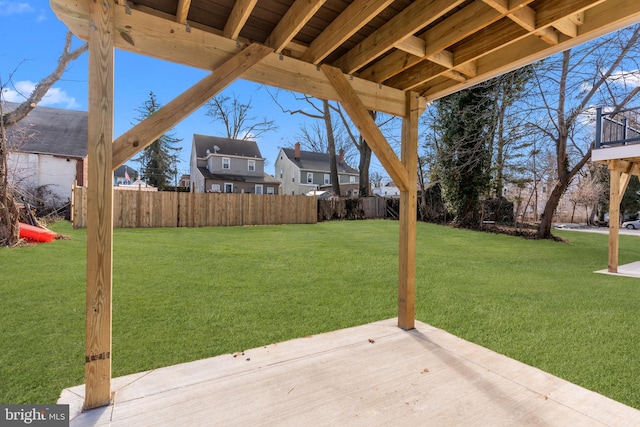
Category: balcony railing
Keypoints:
(616, 129)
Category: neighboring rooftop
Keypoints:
(224, 146)
(312, 161)
(49, 131)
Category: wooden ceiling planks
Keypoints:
(432, 46)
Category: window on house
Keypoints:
(309, 177)
(327, 178)
(252, 165)
(226, 163)
(215, 188)
(352, 179)
(293, 176)
(258, 188)
(228, 187)
(281, 172)
(270, 190)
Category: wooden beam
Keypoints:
(416, 16)
(99, 207)
(567, 27)
(367, 127)
(471, 19)
(551, 11)
(414, 45)
(523, 16)
(183, 11)
(160, 38)
(614, 215)
(241, 11)
(416, 75)
(298, 14)
(408, 213)
(598, 21)
(148, 130)
(354, 17)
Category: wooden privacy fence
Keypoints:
(355, 208)
(143, 209)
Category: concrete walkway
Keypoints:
(370, 375)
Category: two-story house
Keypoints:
(301, 172)
(224, 165)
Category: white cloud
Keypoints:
(15, 8)
(54, 97)
(631, 77)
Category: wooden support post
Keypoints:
(614, 216)
(620, 174)
(99, 207)
(408, 216)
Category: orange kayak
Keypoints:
(36, 234)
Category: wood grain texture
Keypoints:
(408, 213)
(99, 207)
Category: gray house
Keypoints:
(48, 149)
(224, 165)
(302, 172)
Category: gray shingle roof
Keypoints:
(49, 131)
(230, 147)
(312, 161)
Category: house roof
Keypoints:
(265, 179)
(226, 146)
(49, 131)
(119, 172)
(312, 161)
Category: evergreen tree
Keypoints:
(464, 129)
(158, 162)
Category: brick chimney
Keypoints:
(297, 154)
(341, 158)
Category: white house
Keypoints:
(300, 172)
(387, 189)
(48, 149)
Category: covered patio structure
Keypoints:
(617, 146)
(390, 56)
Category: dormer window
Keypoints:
(252, 165)
(226, 163)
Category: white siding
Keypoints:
(37, 170)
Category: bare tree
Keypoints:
(320, 112)
(235, 117)
(9, 230)
(568, 87)
(385, 123)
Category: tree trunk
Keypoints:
(544, 230)
(331, 147)
(9, 225)
(365, 160)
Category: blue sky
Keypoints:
(33, 39)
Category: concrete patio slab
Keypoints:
(627, 270)
(370, 375)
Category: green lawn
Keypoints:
(186, 294)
